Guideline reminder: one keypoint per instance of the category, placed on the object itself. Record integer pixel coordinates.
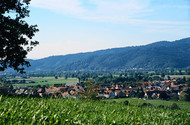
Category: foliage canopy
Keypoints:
(15, 34)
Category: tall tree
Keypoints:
(185, 96)
(15, 34)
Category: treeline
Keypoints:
(185, 71)
(121, 77)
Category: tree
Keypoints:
(140, 93)
(163, 75)
(164, 95)
(66, 76)
(15, 34)
(90, 93)
(188, 84)
(184, 79)
(169, 78)
(185, 96)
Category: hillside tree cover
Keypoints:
(156, 56)
(15, 34)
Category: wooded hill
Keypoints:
(157, 55)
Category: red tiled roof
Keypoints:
(174, 86)
(144, 82)
(174, 80)
(64, 94)
(109, 91)
(167, 81)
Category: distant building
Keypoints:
(112, 95)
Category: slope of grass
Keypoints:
(182, 104)
(67, 111)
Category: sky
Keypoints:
(74, 26)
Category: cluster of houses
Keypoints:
(150, 90)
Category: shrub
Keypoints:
(114, 102)
(126, 102)
(91, 92)
(164, 96)
(184, 97)
(146, 104)
(161, 106)
(174, 106)
(175, 98)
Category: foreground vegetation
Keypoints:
(19, 110)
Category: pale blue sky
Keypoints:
(73, 26)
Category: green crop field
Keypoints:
(44, 81)
(20, 110)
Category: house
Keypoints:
(180, 92)
(106, 95)
(116, 86)
(103, 96)
(174, 94)
(112, 95)
(76, 96)
(62, 89)
(117, 91)
(132, 94)
(28, 92)
(175, 87)
(154, 95)
(121, 95)
(19, 91)
(77, 88)
(34, 92)
(66, 95)
(149, 94)
(127, 91)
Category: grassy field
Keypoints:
(18, 110)
(175, 76)
(45, 81)
(182, 104)
(179, 76)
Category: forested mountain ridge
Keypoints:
(161, 54)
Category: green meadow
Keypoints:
(156, 102)
(179, 76)
(44, 111)
(44, 81)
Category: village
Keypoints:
(165, 89)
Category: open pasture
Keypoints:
(34, 81)
(179, 76)
(134, 101)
